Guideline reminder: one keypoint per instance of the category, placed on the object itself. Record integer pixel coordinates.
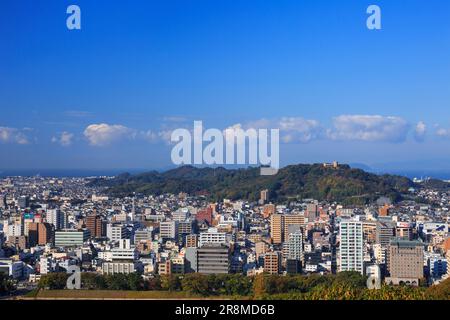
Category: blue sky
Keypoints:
(106, 96)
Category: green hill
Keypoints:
(344, 184)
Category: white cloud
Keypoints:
(420, 131)
(443, 133)
(368, 128)
(156, 136)
(64, 139)
(104, 134)
(13, 135)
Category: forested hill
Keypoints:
(344, 184)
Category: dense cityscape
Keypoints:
(50, 224)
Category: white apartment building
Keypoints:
(116, 232)
(45, 265)
(351, 250)
(168, 229)
(295, 246)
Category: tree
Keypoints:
(195, 283)
(6, 285)
(53, 281)
(135, 281)
(259, 286)
(170, 282)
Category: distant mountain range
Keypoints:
(344, 184)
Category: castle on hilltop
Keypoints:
(333, 165)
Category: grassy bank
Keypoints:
(115, 294)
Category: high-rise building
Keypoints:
(213, 259)
(95, 225)
(295, 246)
(57, 218)
(39, 234)
(276, 228)
(385, 233)
(32, 234)
(272, 263)
(296, 220)
(405, 262)
(279, 227)
(351, 249)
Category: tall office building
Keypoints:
(405, 262)
(39, 234)
(351, 250)
(95, 225)
(276, 228)
(45, 233)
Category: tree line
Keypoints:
(343, 286)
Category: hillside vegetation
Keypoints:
(344, 184)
